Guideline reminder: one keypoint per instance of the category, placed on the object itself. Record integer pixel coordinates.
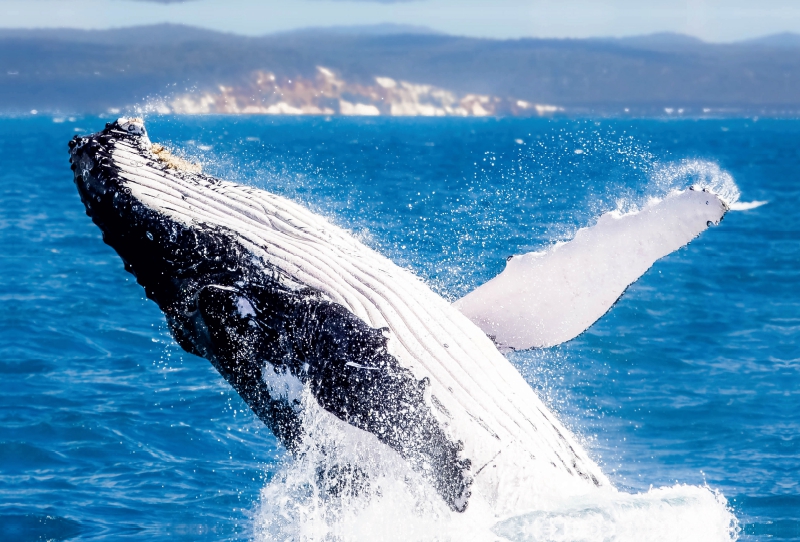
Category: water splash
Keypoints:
(747, 205)
(700, 174)
(344, 485)
(375, 496)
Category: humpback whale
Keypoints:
(283, 302)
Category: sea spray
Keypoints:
(380, 498)
(344, 485)
(702, 174)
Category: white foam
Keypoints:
(383, 500)
(679, 513)
(747, 205)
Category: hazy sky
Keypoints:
(712, 20)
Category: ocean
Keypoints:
(109, 431)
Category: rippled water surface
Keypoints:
(108, 431)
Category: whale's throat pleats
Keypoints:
(283, 302)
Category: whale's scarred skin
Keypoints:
(281, 300)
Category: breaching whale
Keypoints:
(282, 302)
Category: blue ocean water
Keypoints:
(108, 431)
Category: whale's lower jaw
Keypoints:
(268, 335)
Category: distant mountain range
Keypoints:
(76, 71)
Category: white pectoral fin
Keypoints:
(546, 298)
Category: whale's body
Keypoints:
(283, 302)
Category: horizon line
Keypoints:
(419, 30)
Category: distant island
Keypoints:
(388, 70)
(327, 94)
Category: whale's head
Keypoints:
(126, 182)
(95, 165)
(103, 165)
(90, 155)
(132, 190)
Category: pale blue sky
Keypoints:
(712, 20)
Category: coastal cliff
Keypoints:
(329, 94)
